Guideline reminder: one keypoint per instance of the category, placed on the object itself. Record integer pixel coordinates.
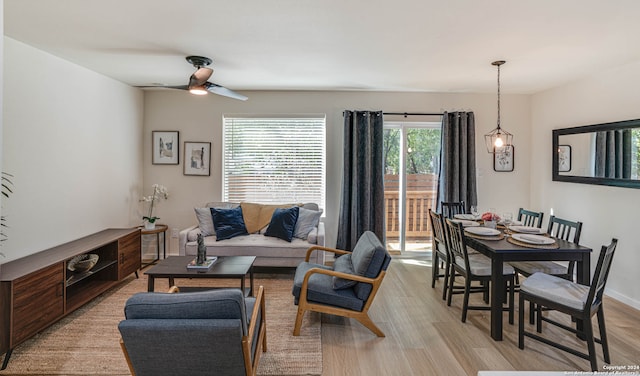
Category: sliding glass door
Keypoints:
(411, 162)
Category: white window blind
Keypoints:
(274, 159)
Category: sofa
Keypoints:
(278, 235)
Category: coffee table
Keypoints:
(225, 267)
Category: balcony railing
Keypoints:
(420, 197)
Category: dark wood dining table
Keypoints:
(501, 251)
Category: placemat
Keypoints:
(529, 245)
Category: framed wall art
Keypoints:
(197, 158)
(165, 147)
(564, 158)
(503, 160)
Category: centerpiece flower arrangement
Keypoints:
(159, 192)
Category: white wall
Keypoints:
(200, 119)
(606, 212)
(73, 142)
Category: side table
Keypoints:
(159, 229)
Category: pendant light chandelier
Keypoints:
(498, 139)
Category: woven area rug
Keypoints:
(87, 341)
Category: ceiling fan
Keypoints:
(198, 83)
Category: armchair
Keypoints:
(198, 333)
(347, 289)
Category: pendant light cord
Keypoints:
(499, 96)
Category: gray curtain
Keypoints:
(613, 154)
(457, 179)
(362, 203)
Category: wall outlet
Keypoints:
(174, 232)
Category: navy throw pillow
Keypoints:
(283, 223)
(228, 223)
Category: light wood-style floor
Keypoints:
(426, 337)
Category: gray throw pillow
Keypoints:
(343, 264)
(307, 221)
(205, 221)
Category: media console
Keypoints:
(38, 290)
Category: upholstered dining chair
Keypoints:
(473, 267)
(194, 333)
(530, 218)
(559, 228)
(440, 254)
(449, 209)
(576, 300)
(346, 289)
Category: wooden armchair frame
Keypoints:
(361, 316)
(250, 367)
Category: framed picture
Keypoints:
(197, 158)
(503, 160)
(564, 158)
(165, 147)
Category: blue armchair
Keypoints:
(347, 289)
(197, 333)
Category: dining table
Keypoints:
(501, 250)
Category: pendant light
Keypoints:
(498, 139)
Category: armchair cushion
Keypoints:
(343, 264)
(283, 223)
(320, 289)
(228, 223)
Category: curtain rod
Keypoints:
(405, 114)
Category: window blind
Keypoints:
(274, 159)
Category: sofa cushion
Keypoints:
(205, 221)
(343, 264)
(283, 222)
(307, 221)
(228, 223)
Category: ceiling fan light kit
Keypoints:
(498, 139)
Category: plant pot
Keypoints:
(149, 225)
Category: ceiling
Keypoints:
(382, 45)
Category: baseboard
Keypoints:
(623, 298)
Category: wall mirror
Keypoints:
(604, 154)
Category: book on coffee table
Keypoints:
(205, 266)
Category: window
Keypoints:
(274, 159)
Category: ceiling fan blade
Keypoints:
(221, 90)
(200, 77)
(180, 87)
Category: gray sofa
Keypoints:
(269, 251)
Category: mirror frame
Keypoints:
(589, 179)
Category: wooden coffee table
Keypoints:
(225, 267)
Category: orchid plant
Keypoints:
(159, 192)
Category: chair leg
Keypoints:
(485, 294)
(299, 317)
(532, 313)
(512, 287)
(465, 303)
(603, 335)
(538, 309)
(452, 278)
(366, 321)
(435, 269)
(521, 322)
(588, 333)
(446, 281)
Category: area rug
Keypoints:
(87, 341)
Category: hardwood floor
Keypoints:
(426, 337)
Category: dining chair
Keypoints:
(530, 218)
(440, 252)
(449, 209)
(562, 229)
(578, 301)
(473, 267)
